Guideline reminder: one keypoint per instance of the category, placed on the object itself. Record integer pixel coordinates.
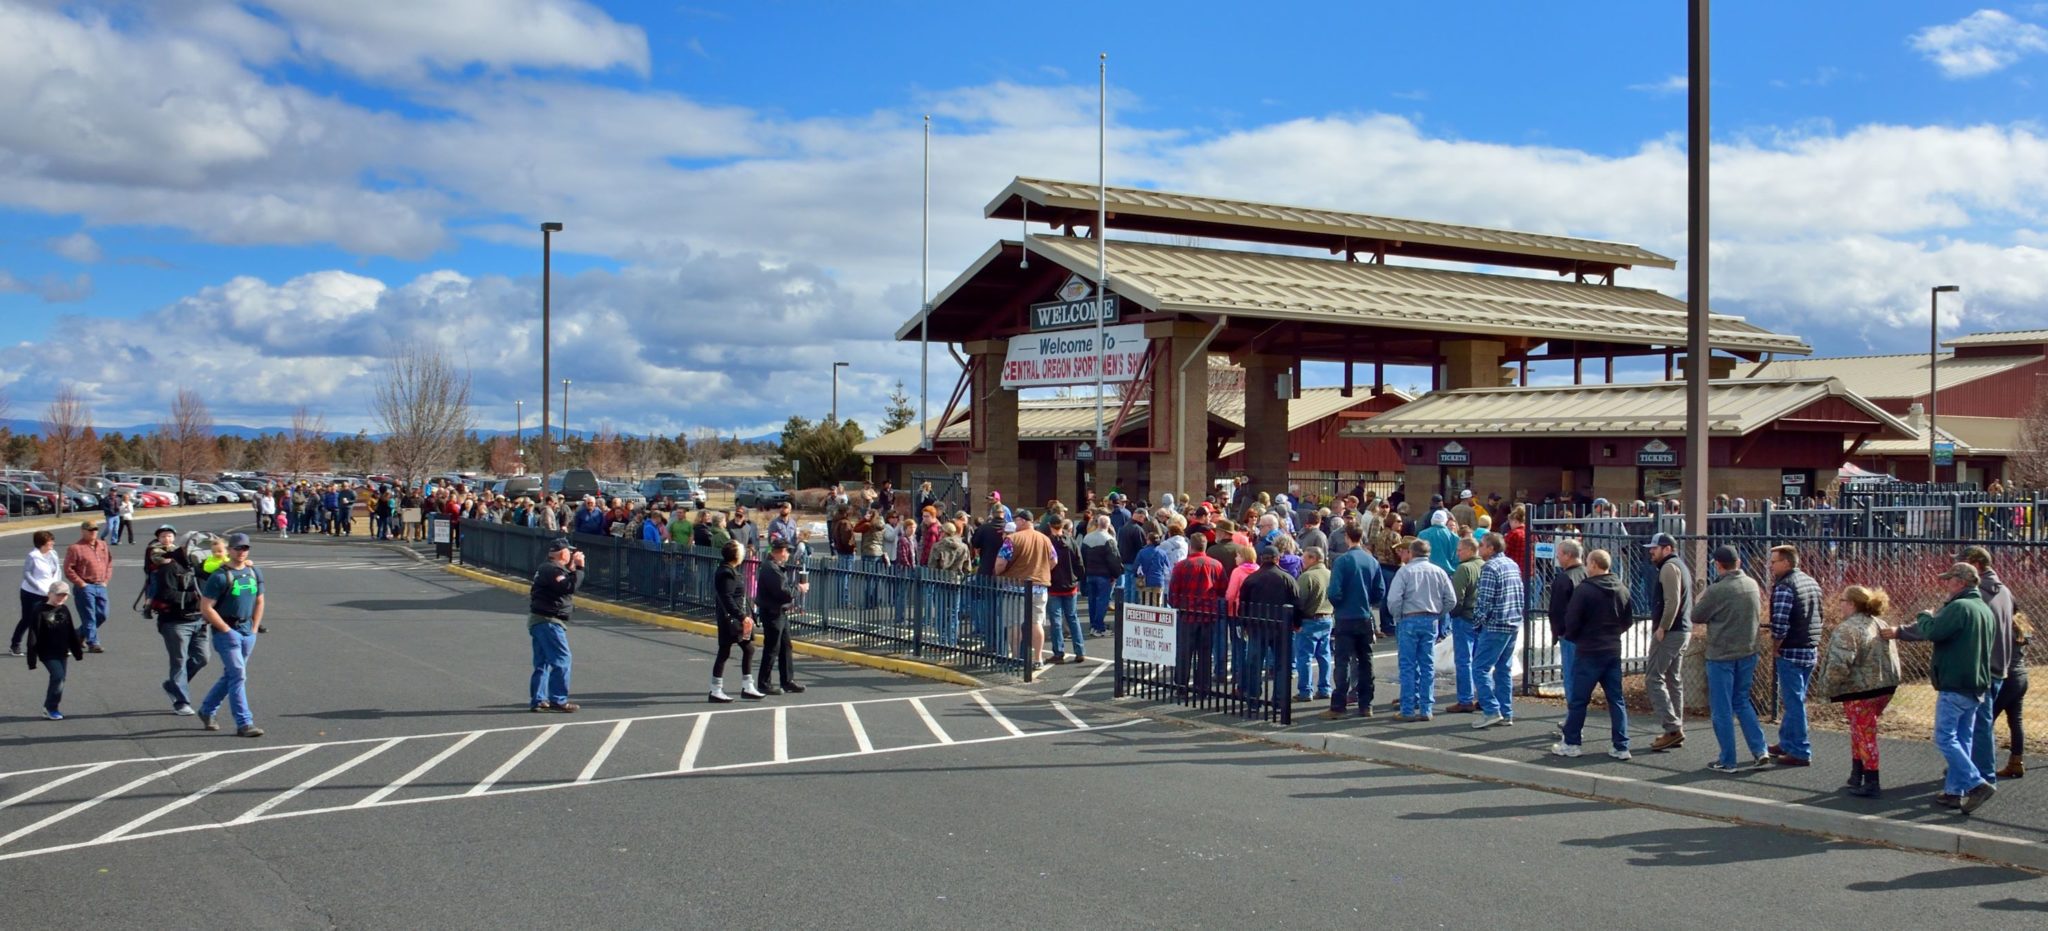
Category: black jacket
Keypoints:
(1561, 584)
(1272, 590)
(731, 599)
(553, 592)
(774, 590)
(1065, 568)
(1130, 539)
(1103, 561)
(52, 634)
(1597, 616)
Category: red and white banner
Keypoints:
(1068, 357)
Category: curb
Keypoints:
(1679, 800)
(32, 524)
(885, 663)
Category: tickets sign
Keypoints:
(1069, 357)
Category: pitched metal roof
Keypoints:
(1242, 219)
(2005, 338)
(1736, 407)
(1984, 436)
(1893, 376)
(1074, 418)
(1184, 279)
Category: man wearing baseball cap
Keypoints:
(1962, 633)
(87, 565)
(231, 601)
(548, 604)
(1670, 630)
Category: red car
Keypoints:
(145, 497)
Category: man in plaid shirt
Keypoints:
(1497, 612)
(1195, 590)
(1795, 626)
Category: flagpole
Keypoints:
(1101, 233)
(924, 300)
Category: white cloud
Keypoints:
(1675, 84)
(77, 247)
(51, 288)
(407, 40)
(1980, 43)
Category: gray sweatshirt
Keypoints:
(1421, 587)
(1730, 610)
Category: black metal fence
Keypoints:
(1236, 662)
(977, 623)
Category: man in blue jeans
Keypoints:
(1728, 614)
(1497, 612)
(231, 600)
(1569, 573)
(88, 564)
(1962, 633)
(174, 600)
(1420, 600)
(1796, 627)
(548, 603)
(1312, 639)
(1594, 621)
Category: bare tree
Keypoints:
(185, 438)
(305, 448)
(423, 404)
(643, 456)
(607, 456)
(69, 449)
(707, 451)
(2029, 464)
(504, 456)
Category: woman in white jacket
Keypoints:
(41, 567)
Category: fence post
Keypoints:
(1285, 680)
(918, 599)
(1117, 645)
(1764, 508)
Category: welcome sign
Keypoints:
(1068, 357)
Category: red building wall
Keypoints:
(2003, 395)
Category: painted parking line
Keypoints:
(137, 815)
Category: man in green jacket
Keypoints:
(1961, 634)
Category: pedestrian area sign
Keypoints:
(1149, 634)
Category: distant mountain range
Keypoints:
(18, 425)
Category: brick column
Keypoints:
(1266, 459)
(1472, 363)
(1186, 413)
(994, 412)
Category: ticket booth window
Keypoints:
(1659, 483)
(1453, 479)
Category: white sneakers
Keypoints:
(1621, 754)
(1488, 721)
(748, 691)
(1564, 749)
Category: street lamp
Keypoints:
(565, 415)
(1933, 327)
(836, 366)
(519, 433)
(547, 231)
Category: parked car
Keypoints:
(517, 486)
(681, 491)
(575, 483)
(208, 493)
(147, 497)
(24, 501)
(55, 502)
(246, 492)
(83, 500)
(627, 494)
(760, 494)
(94, 485)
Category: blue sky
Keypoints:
(312, 182)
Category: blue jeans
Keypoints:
(92, 611)
(1493, 672)
(1728, 683)
(234, 646)
(1463, 637)
(1352, 645)
(58, 668)
(1417, 635)
(1257, 657)
(1063, 617)
(1604, 670)
(1793, 680)
(185, 645)
(1982, 747)
(1097, 588)
(1312, 642)
(1566, 652)
(1955, 721)
(941, 612)
(112, 532)
(550, 681)
(1131, 580)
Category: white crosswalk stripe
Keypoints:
(302, 780)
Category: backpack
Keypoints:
(176, 589)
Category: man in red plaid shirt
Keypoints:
(1195, 589)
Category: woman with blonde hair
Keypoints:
(1861, 671)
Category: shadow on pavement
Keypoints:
(1705, 845)
(1486, 813)
(1944, 879)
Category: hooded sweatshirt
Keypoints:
(1597, 616)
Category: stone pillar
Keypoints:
(1266, 459)
(994, 412)
(1186, 417)
(1066, 481)
(1473, 363)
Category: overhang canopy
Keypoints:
(2030, 338)
(1895, 376)
(1973, 436)
(1073, 204)
(1337, 306)
(1074, 419)
(1737, 407)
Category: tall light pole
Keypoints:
(565, 413)
(1698, 345)
(519, 433)
(1933, 342)
(547, 261)
(836, 366)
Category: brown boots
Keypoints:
(2015, 767)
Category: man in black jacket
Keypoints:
(1569, 573)
(1594, 621)
(773, 599)
(548, 605)
(1130, 538)
(1267, 595)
